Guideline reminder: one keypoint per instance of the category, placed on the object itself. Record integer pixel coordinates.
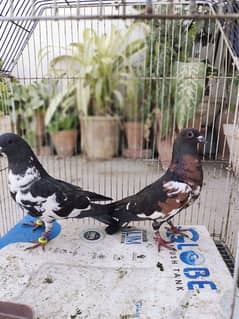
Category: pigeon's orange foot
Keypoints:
(177, 231)
(161, 242)
(41, 242)
(35, 224)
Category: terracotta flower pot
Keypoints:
(39, 123)
(100, 136)
(5, 124)
(135, 135)
(64, 142)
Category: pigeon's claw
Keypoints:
(36, 244)
(35, 224)
(41, 242)
(177, 231)
(161, 242)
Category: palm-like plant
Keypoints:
(115, 56)
(97, 70)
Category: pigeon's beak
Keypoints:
(201, 139)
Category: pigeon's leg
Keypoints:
(175, 230)
(35, 224)
(41, 242)
(114, 228)
(113, 224)
(45, 236)
(159, 240)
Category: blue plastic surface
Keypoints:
(24, 234)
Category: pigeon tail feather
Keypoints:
(96, 197)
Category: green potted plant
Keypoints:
(63, 132)
(40, 94)
(133, 125)
(18, 103)
(27, 103)
(112, 64)
(189, 76)
(62, 119)
(176, 95)
(99, 64)
(156, 83)
(105, 99)
(137, 116)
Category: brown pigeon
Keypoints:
(160, 201)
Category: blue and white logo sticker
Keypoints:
(191, 257)
(133, 236)
(193, 234)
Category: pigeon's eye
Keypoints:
(190, 134)
(9, 141)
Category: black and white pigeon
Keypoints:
(178, 188)
(43, 196)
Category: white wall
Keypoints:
(51, 38)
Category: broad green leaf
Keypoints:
(107, 60)
(134, 47)
(98, 92)
(66, 63)
(87, 34)
(120, 98)
(56, 102)
(188, 89)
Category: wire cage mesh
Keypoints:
(163, 64)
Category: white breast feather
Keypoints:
(51, 204)
(18, 182)
(155, 215)
(40, 203)
(177, 187)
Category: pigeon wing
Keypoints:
(92, 195)
(161, 196)
(53, 195)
